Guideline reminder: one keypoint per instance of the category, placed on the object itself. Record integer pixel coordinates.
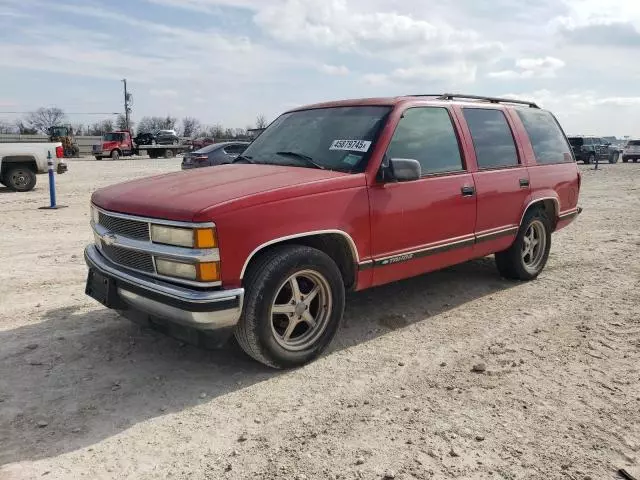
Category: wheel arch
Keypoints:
(338, 244)
(549, 204)
(26, 160)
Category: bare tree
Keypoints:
(121, 123)
(45, 118)
(100, 128)
(190, 127)
(6, 127)
(261, 121)
(153, 124)
(24, 129)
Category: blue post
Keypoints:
(52, 181)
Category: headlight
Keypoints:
(176, 269)
(202, 272)
(95, 215)
(184, 237)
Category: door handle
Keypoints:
(524, 182)
(468, 191)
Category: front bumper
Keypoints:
(211, 311)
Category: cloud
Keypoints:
(167, 92)
(615, 34)
(334, 69)
(546, 67)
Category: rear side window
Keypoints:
(233, 149)
(575, 141)
(634, 143)
(426, 134)
(492, 138)
(547, 140)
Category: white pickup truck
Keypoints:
(21, 162)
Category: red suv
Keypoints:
(332, 197)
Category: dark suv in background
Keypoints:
(590, 149)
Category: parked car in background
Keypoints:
(631, 151)
(333, 197)
(215, 154)
(589, 149)
(198, 143)
(166, 137)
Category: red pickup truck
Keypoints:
(332, 197)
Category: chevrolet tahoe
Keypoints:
(332, 197)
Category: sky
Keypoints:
(226, 61)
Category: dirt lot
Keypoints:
(86, 394)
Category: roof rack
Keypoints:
(453, 96)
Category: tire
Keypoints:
(168, 153)
(115, 155)
(20, 179)
(590, 159)
(263, 335)
(176, 142)
(635, 160)
(614, 157)
(624, 160)
(98, 157)
(512, 262)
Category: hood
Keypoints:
(183, 195)
(110, 144)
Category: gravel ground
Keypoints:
(86, 394)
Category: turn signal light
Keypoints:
(208, 271)
(205, 238)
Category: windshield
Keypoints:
(337, 138)
(633, 143)
(113, 137)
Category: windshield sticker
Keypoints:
(355, 145)
(351, 159)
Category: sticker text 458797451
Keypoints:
(353, 145)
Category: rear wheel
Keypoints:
(20, 179)
(293, 306)
(168, 153)
(528, 254)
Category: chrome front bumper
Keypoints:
(205, 310)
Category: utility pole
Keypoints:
(127, 103)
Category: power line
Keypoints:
(70, 113)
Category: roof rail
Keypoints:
(453, 96)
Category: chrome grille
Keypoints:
(128, 258)
(125, 227)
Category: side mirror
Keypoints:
(404, 169)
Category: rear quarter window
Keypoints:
(492, 138)
(548, 141)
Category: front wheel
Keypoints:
(528, 254)
(590, 159)
(293, 306)
(115, 155)
(20, 179)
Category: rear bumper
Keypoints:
(213, 311)
(565, 218)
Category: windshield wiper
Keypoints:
(304, 157)
(245, 158)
